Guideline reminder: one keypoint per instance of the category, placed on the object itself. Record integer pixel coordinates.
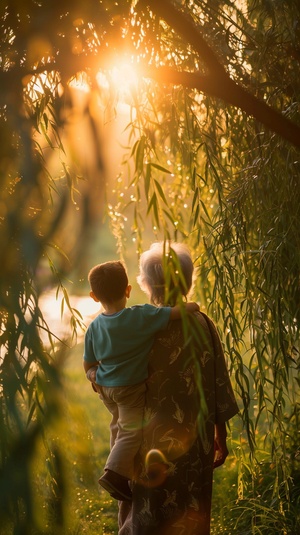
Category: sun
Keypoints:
(123, 76)
(118, 83)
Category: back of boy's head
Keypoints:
(108, 281)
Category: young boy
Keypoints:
(116, 346)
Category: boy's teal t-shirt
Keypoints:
(121, 342)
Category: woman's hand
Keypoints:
(221, 450)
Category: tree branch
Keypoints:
(232, 93)
(217, 82)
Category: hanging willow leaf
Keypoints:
(160, 191)
(154, 208)
(160, 168)
(139, 157)
(147, 179)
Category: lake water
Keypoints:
(60, 324)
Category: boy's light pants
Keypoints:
(126, 405)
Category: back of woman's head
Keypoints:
(166, 270)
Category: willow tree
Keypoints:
(213, 159)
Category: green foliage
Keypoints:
(195, 168)
(35, 205)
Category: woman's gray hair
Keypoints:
(152, 276)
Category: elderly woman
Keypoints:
(189, 399)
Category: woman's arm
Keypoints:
(226, 405)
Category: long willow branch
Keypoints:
(217, 83)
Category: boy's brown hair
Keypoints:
(108, 281)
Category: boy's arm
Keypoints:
(189, 307)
